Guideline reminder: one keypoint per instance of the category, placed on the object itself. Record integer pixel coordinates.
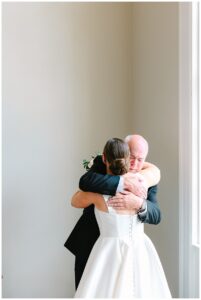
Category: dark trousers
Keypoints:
(80, 264)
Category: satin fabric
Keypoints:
(123, 262)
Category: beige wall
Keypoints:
(155, 110)
(74, 75)
(66, 87)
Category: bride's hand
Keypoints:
(135, 184)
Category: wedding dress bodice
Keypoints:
(112, 224)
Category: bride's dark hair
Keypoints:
(117, 153)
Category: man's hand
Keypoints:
(126, 201)
(135, 184)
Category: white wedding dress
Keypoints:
(123, 262)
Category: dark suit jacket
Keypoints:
(86, 231)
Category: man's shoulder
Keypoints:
(98, 160)
(98, 165)
(153, 189)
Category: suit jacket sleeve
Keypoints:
(153, 215)
(96, 180)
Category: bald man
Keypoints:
(128, 193)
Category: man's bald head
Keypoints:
(138, 151)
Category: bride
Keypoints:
(123, 261)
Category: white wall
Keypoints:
(155, 110)
(66, 85)
(75, 74)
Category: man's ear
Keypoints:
(103, 158)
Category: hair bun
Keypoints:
(119, 166)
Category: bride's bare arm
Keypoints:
(151, 174)
(138, 185)
(83, 199)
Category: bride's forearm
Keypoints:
(80, 199)
(151, 174)
(83, 199)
